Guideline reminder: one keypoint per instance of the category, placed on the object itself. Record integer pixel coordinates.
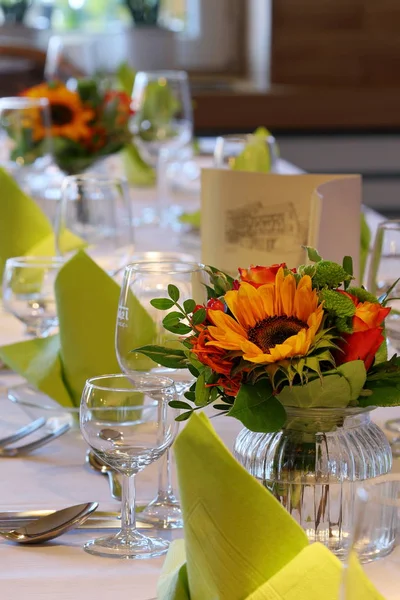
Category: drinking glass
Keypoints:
(163, 120)
(143, 282)
(70, 57)
(384, 270)
(229, 147)
(377, 510)
(28, 292)
(25, 137)
(129, 424)
(97, 210)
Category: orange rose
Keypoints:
(258, 276)
(367, 337)
(210, 355)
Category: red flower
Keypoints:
(230, 386)
(210, 355)
(367, 336)
(122, 103)
(258, 276)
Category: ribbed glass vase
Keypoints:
(314, 464)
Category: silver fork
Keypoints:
(22, 432)
(27, 448)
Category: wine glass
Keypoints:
(232, 151)
(163, 120)
(25, 138)
(384, 270)
(70, 57)
(97, 210)
(28, 292)
(143, 282)
(377, 510)
(129, 424)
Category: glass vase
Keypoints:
(314, 465)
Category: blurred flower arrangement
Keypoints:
(87, 124)
(278, 337)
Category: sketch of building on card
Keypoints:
(265, 228)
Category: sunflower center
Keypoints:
(61, 114)
(274, 330)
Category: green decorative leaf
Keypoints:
(356, 375)
(179, 404)
(189, 306)
(167, 357)
(173, 292)
(348, 265)
(225, 407)
(178, 328)
(190, 396)
(258, 409)
(202, 392)
(383, 393)
(173, 317)
(199, 316)
(162, 303)
(184, 416)
(193, 370)
(364, 246)
(312, 254)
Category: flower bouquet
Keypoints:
(299, 357)
(86, 125)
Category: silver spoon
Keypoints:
(95, 463)
(51, 526)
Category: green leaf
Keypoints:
(178, 328)
(173, 292)
(184, 416)
(173, 316)
(258, 409)
(190, 396)
(199, 316)
(348, 265)
(162, 303)
(202, 392)
(221, 406)
(193, 370)
(125, 77)
(167, 357)
(384, 393)
(179, 404)
(189, 305)
(312, 254)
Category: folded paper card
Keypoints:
(24, 228)
(262, 218)
(87, 303)
(240, 543)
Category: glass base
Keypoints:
(120, 545)
(163, 513)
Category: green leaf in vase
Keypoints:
(258, 409)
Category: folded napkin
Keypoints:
(87, 302)
(24, 228)
(256, 156)
(240, 543)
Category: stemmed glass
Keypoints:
(163, 119)
(376, 522)
(384, 271)
(231, 149)
(97, 210)
(143, 282)
(129, 424)
(28, 292)
(25, 138)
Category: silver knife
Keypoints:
(98, 520)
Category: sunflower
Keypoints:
(270, 323)
(69, 117)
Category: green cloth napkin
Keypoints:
(24, 228)
(87, 301)
(256, 156)
(240, 543)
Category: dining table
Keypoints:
(56, 476)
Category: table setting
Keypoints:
(225, 428)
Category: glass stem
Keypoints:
(164, 476)
(128, 505)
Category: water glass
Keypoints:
(129, 424)
(25, 136)
(374, 537)
(163, 119)
(142, 282)
(97, 210)
(70, 57)
(28, 292)
(229, 148)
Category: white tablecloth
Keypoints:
(56, 476)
